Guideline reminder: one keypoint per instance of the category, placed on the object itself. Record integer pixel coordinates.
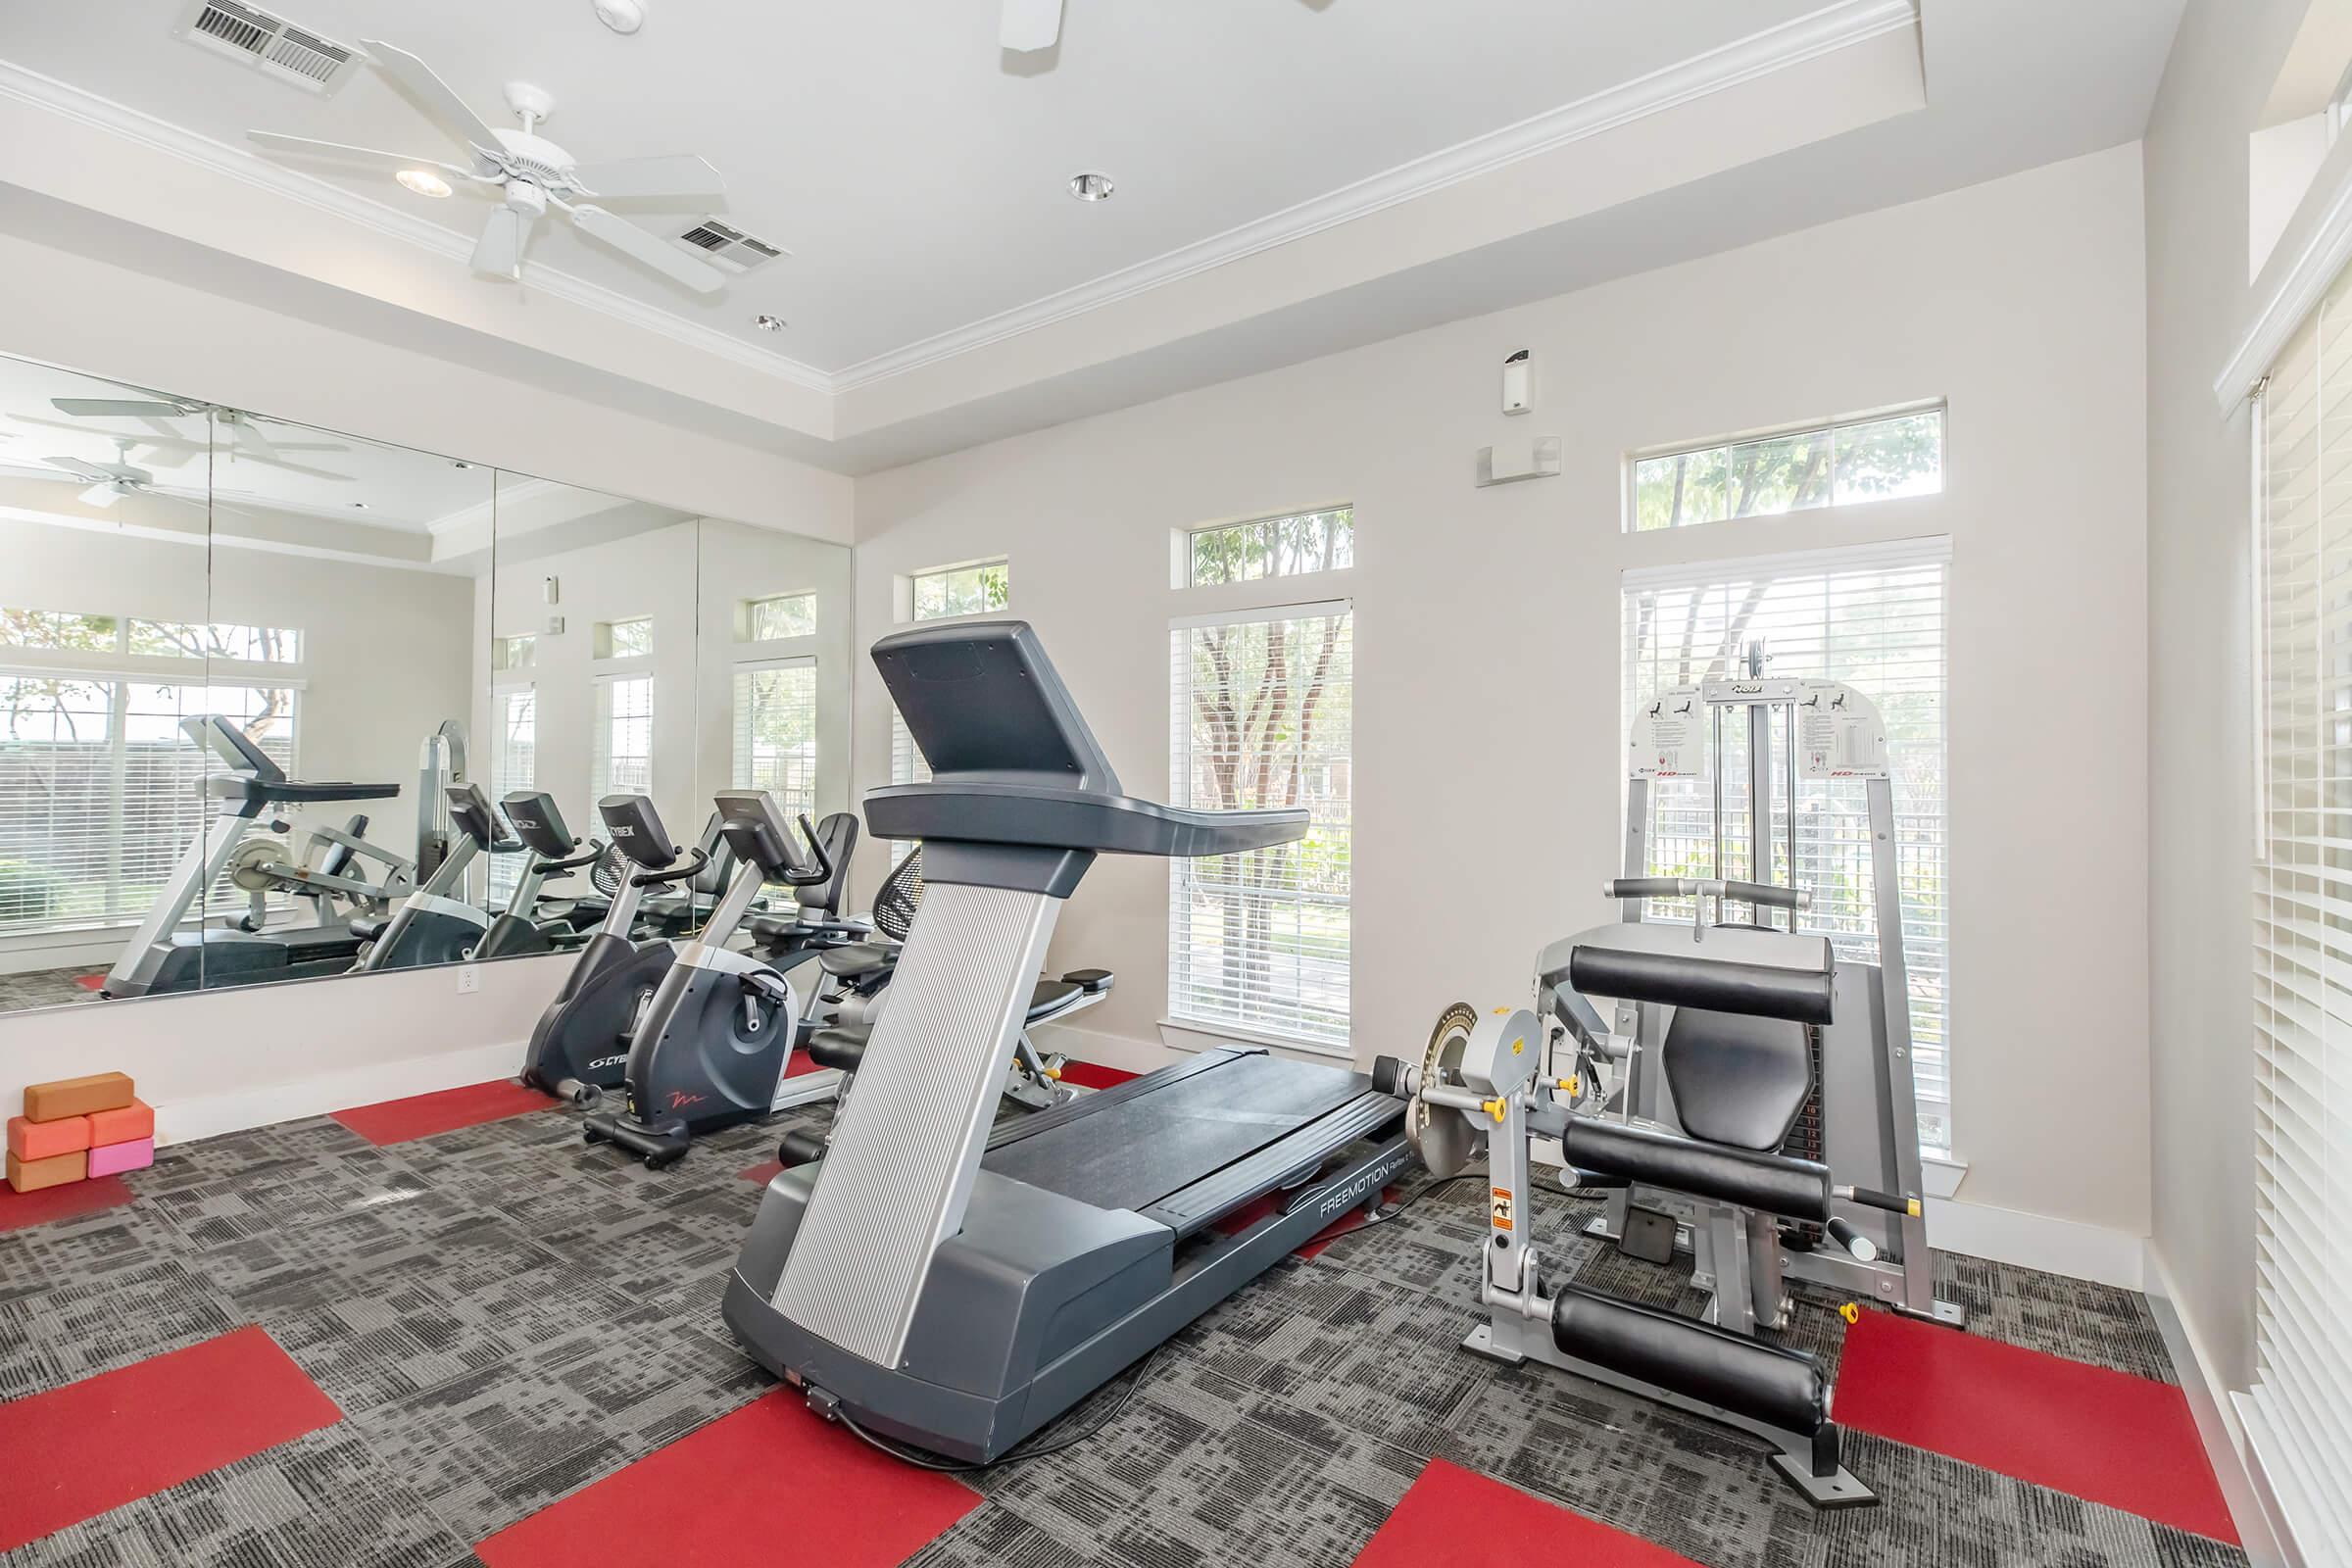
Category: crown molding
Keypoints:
(504, 490)
(324, 195)
(1833, 28)
(1792, 43)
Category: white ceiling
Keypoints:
(1296, 175)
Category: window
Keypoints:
(2301, 1409)
(626, 639)
(513, 766)
(767, 620)
(1261, 714)
(1824, 466)
(775, 732)
(907, 766)
(516, 652)
(100, 790)
(973, 590)
(1873, 616)
(1271, 547)
(624, 737)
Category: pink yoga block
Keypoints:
(113, 1159)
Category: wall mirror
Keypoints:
(267, 690)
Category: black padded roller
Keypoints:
(1781, 1387)
(842, 1046)
(1794, 1189)
(1696, 980)
(1387, 1073)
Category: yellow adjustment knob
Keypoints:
(1851, 1313)
(1492, 1107)
(1053, 1073)
(1566, 1086)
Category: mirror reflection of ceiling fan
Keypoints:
(529, 174)
(110, 482)
(246, 437)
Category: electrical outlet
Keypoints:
(469, 979)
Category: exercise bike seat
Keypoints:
(857, 960)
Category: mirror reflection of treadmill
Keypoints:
(947, 1284)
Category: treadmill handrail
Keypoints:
(292, 790)
(988, 812)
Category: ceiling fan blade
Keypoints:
(345, 152)
(651, 249)
(499, 252)
(119, 407)
(1031, 24)
(86, 471)
(246, 437)
(100, 495)
(685, 176)
(431, 93)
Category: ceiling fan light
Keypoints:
(423, 181)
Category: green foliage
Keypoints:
(963, 591)
(1274, 547)
(1829, 467)
(28, 894)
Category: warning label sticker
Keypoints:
(1502, 1208)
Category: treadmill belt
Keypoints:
(1135, 1151)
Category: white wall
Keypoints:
(1487, 718)
(2200, 721)
(738, 563)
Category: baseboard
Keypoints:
(2251, 1503)
(1105, 1050)
(184, 1121)
(2038, 1242)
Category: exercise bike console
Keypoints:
(755, 829)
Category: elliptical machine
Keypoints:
(714, 1043)
(580, 1045)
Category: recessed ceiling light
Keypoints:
(770, 323)
(423, 181)
(359, 506)
(1092, 187)
(459, 462)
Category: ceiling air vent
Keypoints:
(269, 43)
(730, 246)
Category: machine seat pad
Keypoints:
(1091, 979)
(369, 928)
(1050, 994)
(1736, 1078)
(856, 961)
(843, 1046)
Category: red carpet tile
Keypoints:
(396, 1121)
(762, 1173)
(77, 1452)
(800, 1063)
(771, 1484)
(1453, 1518)
(2112, 1438)
(1085, 1075)
(20, 1209)
(91, 982)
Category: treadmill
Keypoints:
(246, 786)
(953, 1286)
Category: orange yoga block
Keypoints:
(128, 1126)
(76, 1096)
(32, 1175)
(30, 1140)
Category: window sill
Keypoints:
(1189, 1035)
(1941, 1174)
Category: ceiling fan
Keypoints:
(530, 173)
(1030, 25)
(246, 437)
(110, 482)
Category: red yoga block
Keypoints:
(31, 1140)
(127, 1126)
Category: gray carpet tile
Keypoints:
(80, 1327)
(991, 1536)
(85, 1248)
(386, 1321)
(322, 1500)
(46, 987)
(491, 1448)
(255, 1156)
(280, 1195)
(1196, 1469)
(2075, 1318)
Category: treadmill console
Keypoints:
(636, 830)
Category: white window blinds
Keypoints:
(624, 737)
(1261, 711)
(101, 791)
(2302, 1396)
(907, 766)
(775, 732)
(513, 766)
(1871, 615)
